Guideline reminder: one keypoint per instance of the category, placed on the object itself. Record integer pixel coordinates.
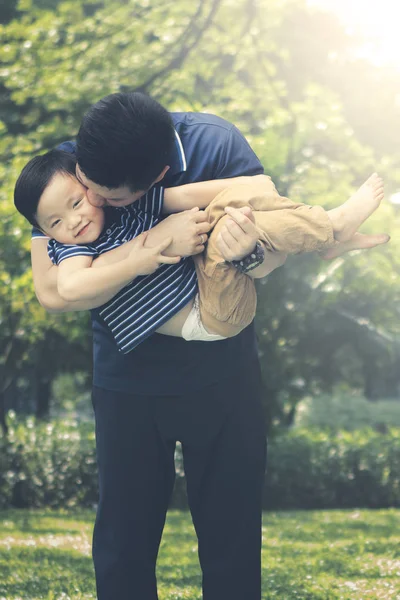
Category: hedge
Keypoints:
(54, 465)
(345, 411)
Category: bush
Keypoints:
(327, 470)
(347, 412)
(48, 464)
(54, 465)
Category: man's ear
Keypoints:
(162, 174)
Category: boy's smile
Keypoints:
(65, 214)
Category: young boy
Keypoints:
(48, 194)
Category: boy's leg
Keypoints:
(136, 477)
(227, 297)
(295, 228)
(291, 229)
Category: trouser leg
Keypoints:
(227, 297)
(292, 228)
(136, 477)
(225, 468)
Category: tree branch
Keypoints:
(186, 46)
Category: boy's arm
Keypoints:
(45, 275)
(81, 283)
(77, 280)
(187, 228)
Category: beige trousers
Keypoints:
(228, 297)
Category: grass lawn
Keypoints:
(316, 555)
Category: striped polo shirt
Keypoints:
(149, 300)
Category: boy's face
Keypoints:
(65, 214)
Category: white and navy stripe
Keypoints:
(149, 301)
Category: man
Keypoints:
(206, 395)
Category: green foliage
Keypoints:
(320, 120)
(324, 555)
(71, 396)
(54, 465)
(48, 465)
(347, 412)
(311, 469)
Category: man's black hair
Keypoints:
(125, 139)
(36, 176)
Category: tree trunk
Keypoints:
(43, 390)
(3, 421)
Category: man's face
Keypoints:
(103, 196)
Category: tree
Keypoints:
(287, 76)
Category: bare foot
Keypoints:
(359, 241)
(347, 218)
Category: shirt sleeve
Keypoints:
(58, 252)
(36, 233)
(238, 157)
(69, 146)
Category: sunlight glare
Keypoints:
(379, 20)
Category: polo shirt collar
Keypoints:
(177, 162)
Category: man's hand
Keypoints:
(187, 229)
(238, 237)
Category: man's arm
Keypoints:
(190, 195)
(240, 235)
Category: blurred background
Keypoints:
(315, 88)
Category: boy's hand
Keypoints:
(239, 236)
(145, 261)
(187, 230)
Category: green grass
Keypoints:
(315, 555)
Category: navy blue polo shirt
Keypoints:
(207, 147)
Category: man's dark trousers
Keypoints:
(221, 428)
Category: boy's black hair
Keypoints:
(125, 139)
(36, 176)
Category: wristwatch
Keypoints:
(251, 261)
